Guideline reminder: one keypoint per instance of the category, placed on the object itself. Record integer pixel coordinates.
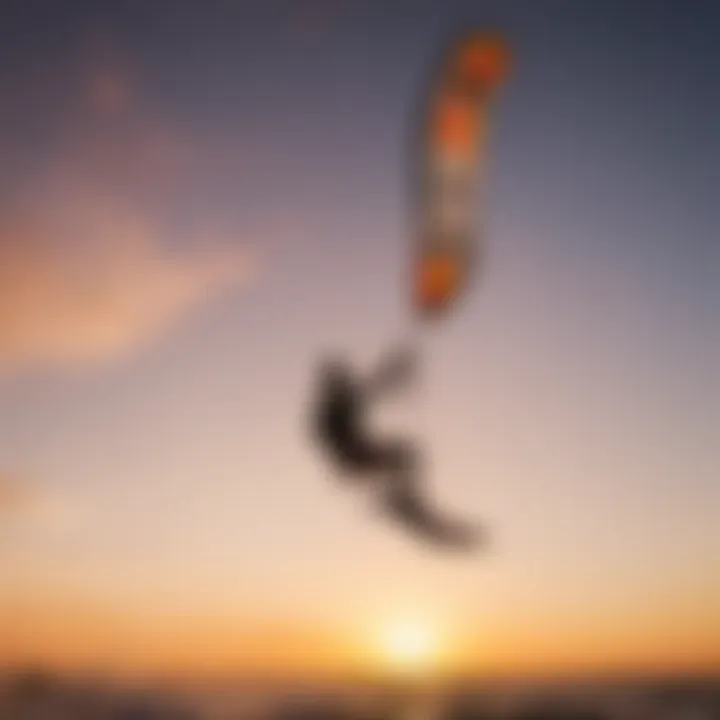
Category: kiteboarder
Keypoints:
(391, 464)
(445, 250)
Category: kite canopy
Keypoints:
(483, 61)
(452, 155)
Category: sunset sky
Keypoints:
(198, 199)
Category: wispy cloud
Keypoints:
(23, 502)
(108, 292)
(91, 267)
(15, 496)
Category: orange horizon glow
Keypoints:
(214, 646)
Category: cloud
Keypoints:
(109, 92)
(29, 506)
(104, 293)
(25, 502)
(15, 496)
(92, 266)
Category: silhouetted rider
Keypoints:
(339, 425)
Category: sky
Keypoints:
(199, 199)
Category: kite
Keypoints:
(451, 156)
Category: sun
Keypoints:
(408, 644)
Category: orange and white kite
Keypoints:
(452, 154)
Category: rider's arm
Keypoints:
(392, 372)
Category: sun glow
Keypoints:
(409, 644)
